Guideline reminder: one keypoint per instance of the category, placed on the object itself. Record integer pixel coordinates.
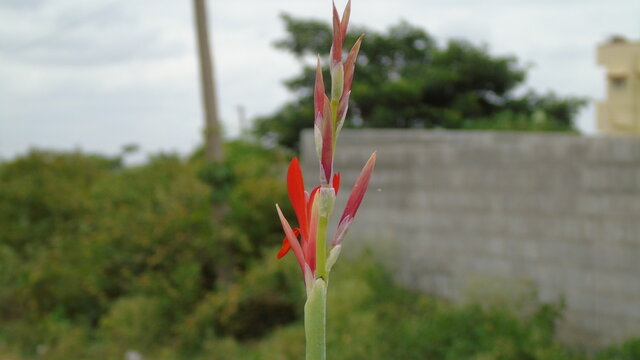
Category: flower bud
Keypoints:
(327, 201)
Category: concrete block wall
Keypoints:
(461, 213)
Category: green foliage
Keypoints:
(267, 295)
(135, 322)
(219, 176)
(629, 350)
(371, 318)
(124, 255)
(404, 79)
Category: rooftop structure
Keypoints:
(619, 113)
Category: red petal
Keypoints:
(284, 249)
(359, 189)
(285, 244)
(336, 183)
(295, 186)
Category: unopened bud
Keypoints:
(327, 201)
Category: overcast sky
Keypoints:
(97, 75)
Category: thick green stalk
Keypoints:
(315, 323)
(321, 248)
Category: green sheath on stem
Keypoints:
(315, 324)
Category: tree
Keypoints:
(404, 79)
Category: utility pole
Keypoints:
(213, 137)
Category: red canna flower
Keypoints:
(303, 206)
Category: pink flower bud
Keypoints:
(355, 199)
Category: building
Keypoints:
(619, 113)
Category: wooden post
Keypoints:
(213, 137)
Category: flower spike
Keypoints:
(313, 210)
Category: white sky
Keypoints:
(97, 75)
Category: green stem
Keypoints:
(321, 248)
(315, 321)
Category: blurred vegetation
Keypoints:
(91, 249)
(405, 79)
(98, 259)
